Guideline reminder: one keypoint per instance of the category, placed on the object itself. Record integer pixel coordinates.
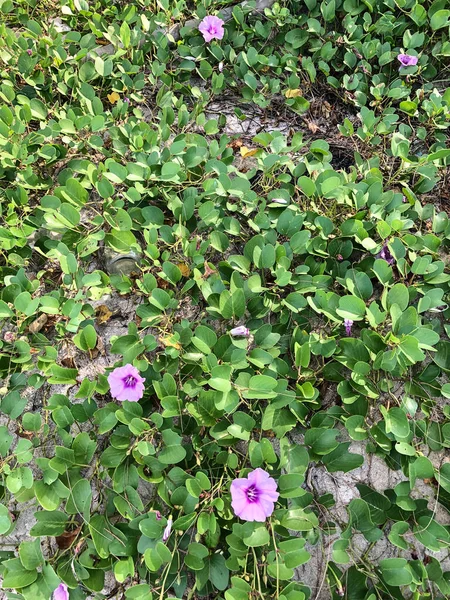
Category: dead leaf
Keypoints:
(208, 271)
(28, 435)
(235, 144)
(170, 341)
(246, 152)
(113, 97)
(162, 283)
(38, 323)
(326, 108)
(298, 93)
(102, 314)
(66, 539)
(184, 268)
(68, 362)
(312, 126)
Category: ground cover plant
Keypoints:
(224, 296)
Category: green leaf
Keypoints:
(16, 576)
(255, 535)
(351, 307)
(218, 572)
(44, 586)
(50, 523)
(125, 34)
(439, 19)
(30, 554)
(5, 440)
(342, 460)
(421, 468)
(79, 501)
(322, 440)
(299, 519)
(5, 311)
(101, 536)
(5, 520)
(396, 422)
(173, 452)
(395, 571)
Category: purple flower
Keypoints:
(253, 497)
(340, 257)
(61, 592)
(126, 384)
(386, 255)
(9, 337)
(158, 515)
(29, 52)
(126, 99)
(167, 530)
(211, 27)
(348, 324)
(240, 331)
(407, 60)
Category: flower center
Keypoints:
(130, 381)
(252, 494)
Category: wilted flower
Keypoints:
(407, 60)
(340, 257)
(240, 331)
(211, 28)
(158, 515)
(61, 592)
(9, 336)
(29, 52)
(386, 255)
(348, 324)
(253, 498)
(167, 530)
(221, 66)
(126, 384)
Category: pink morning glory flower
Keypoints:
(167, 530)
(386, 255)
(348, 324)
(253, 498)
(211, 28)
(407, 60)
(61, 592)
(126, 384)
(240, 331)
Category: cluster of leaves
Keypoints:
(118, 153)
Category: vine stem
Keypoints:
(275, 547)
(166, 574)
(255, 569)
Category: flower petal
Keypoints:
(253, 511)
(132, 394)
(61, 592)
(267, 504)
(239, 498)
